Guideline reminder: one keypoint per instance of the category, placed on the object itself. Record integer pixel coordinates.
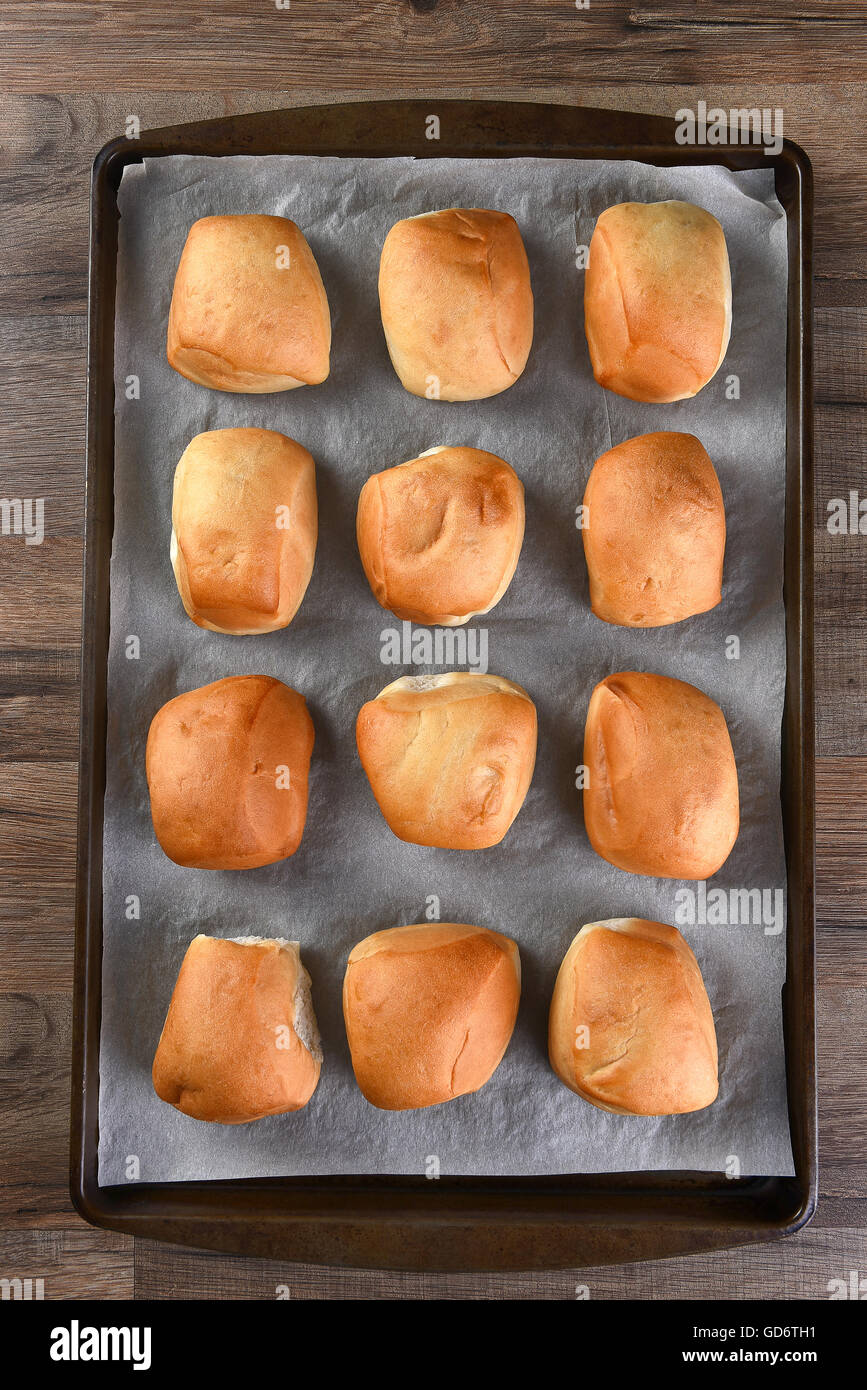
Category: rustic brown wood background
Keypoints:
(70, 73)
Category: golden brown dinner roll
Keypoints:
(240, 1040)
(249, 311)
(657, 300)
(440, 536)
(655, 531)
(457, 308)
(449, 758)
(243, 529)
(429, 1011)
(631, 1029)
(662, 787)
(227, 773)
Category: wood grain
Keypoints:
(70, 73)
(841, 841)
(73, 1264)
(765, 1272)
(483, 45)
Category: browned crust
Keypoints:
(429, 1011)
(218, 797)
(631, 1028)
(246, 316)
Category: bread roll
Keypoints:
(657, 300)
(457, 308)
(429, 1011)
(227, 773)
(244, 528)
(631, 1028)
(449, 758)
(440, 536)
(662, 787)
(240, 1040)
(249, 311)
(655, 531)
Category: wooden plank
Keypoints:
(40, 591)
(43, 364)
(38, 806)
(841, 1028)
(841, 959)
(39, 704)
(72, 1264)
(37, 901)
(34, 1139)
(484, 45)
(801, 1267)
(36, 933)
(840, 585)
(42, 422)
(842, 1185)
(841, 841)
(839, 359)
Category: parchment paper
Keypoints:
(351, 876)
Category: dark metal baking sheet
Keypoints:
(457, 1223)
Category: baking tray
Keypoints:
(468, 1223)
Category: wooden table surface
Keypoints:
(70, 74)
